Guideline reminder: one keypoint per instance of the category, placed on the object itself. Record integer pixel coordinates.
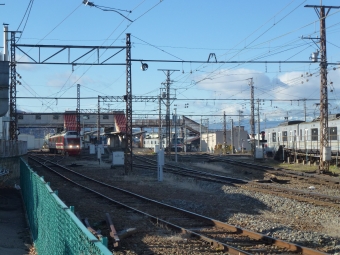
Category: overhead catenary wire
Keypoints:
(185, 84)
(29, 8)
(77, 81)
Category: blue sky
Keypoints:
(188, 30)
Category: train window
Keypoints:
(274, 137)
(333, 133)
(73, 141)
(314, 132)
(151, 142)
(105, 117)
(38, 117)
(284, 136)
(56, 117)
(20, 116)
(301, 135)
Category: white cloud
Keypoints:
(232, 83)
(25, 67)
(290, 85)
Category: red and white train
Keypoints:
(66, 143)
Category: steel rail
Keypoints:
(318, 198)
(317, 177)
(213, 242)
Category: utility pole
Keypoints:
(239, 128)
(98, 121)
(325, 151)
(305, 108)
(201, 135)
(78, 109)
(167, 83)
(13, 129)
(175, 119)
(160, 121)
(258, 122)
(207, 135)
(224, 133)
(128, 128)
(184, 128)
(252, 118)
(232, 136)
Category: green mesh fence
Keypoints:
(55, 228)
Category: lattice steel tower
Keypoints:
(167, 115)
(252, 118)
(324, 146)
(128, 148)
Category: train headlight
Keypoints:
(70, 146)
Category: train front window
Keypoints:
(284, 136)
(72, 141)
(72, 133)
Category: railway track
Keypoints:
(222, 236)
(270, 188)
(311, 177)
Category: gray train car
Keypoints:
(303, 136)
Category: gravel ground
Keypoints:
(283, 218)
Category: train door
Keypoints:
(306, 139)
(314, 138)
(300, 138)
(285, 138)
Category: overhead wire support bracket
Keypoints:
(212, 55)
(107, 9)
(312, 38)
(37, 59)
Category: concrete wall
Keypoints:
(29, 139)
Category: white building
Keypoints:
(212, 138)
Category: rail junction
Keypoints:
(212, 233)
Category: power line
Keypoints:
(104, 8)
(177, 99)
(29, 8)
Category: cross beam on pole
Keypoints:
(325, 151)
